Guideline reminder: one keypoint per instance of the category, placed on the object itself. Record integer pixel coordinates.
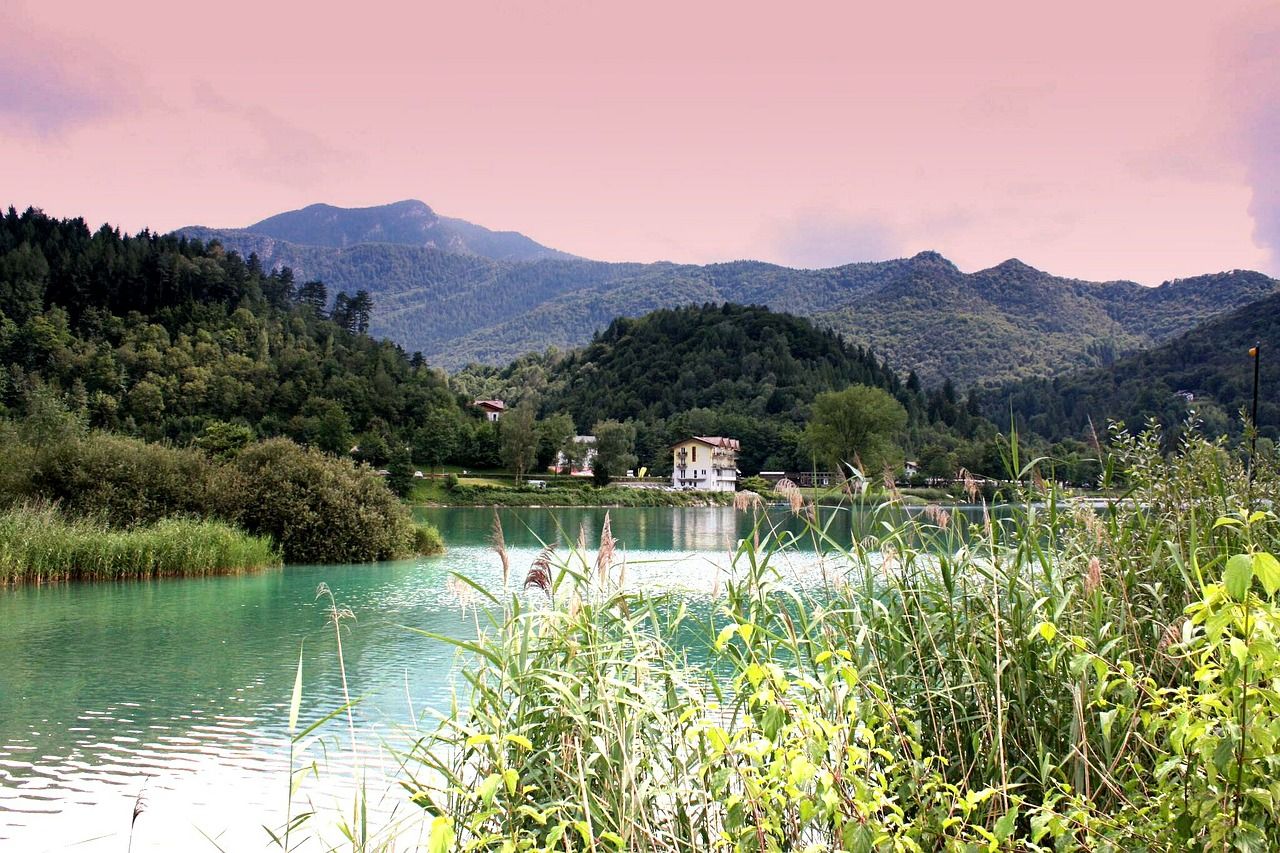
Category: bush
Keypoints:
(316, 508)
(320, 509)
(427, 540)
(124, 481)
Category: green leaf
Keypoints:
(1267, 568)
(442, 835)
(295, 704)
(1226, 522)
(1048, 630)
(489, 787)
(519, 740)
(1005, 825)
(1238, 576)
(723, 638)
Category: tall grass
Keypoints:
(38, 544)
(1052, 678)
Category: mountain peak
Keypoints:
(409, 222)
(408, 205)
(1014, 266)
(929, 255)
(930, 259)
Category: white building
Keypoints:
(583, 466)
(705, 462)
(492, 409)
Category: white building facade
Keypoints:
(707, 463)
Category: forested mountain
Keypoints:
(404, 223)
(1207, 371)
(744, 358)
(991, 326)
(741, 371)
(161, 337)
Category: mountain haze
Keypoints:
(457, 304)
(403, 223)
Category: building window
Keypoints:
(695, 453)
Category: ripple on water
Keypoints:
(181, 688)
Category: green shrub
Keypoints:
(427, 540)
(124, 481)
(318, 508)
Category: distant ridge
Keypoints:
(404, 223)
(460, 293)
(1206, 371)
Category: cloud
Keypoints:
(815, 239)
(1253, 84)
(49, 86)
(281, 151)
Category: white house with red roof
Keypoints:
(492, 409)
(708, 463)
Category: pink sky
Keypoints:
(1099, 140)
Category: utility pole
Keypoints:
(1256, 353)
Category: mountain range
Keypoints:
(1207, 372)
(461, 293)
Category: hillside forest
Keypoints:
(171, 340)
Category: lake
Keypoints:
(180, 689)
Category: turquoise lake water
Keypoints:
(179, 689)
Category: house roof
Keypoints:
(496, 405)
(713, 441)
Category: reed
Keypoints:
(1044, 678)
(38, 544)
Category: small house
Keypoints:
(492, 409)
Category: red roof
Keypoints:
(718, 441)
(496, 405)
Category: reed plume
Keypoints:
(539, 575)
(792, 493)
(890, 484)
(498, 544)
(605, 555)
(1093, 576)
(937, 515)
(139, 806)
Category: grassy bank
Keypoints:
(40, 545)
(1060, 680)
(466, 493)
